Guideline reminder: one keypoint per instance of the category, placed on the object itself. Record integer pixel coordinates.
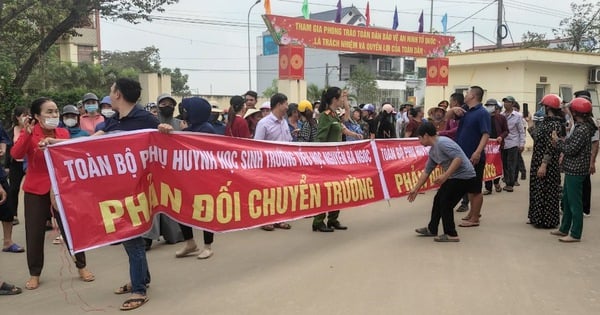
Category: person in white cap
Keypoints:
(265, 108)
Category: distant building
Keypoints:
(396, 76)
(78, 49)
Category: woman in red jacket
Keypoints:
(39, 131)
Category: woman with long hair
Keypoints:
(38, 131)
(236, 124)
(330, 129)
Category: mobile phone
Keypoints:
(525, 110)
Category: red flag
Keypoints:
(368, 15)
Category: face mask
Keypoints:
(166, 111)
(490, 109)
(70, 122)
(91, 108)
(107, 112)
(51, 123)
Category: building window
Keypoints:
(385, 65)
(409, 67)
(566, 93)
(84, 54)
(352, 69)
(540, 91)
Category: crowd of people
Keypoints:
(565, 139)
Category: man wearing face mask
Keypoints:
(70, 118)
(91, 118)
(162, 224)
(106, 111)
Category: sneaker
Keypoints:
(462, 208)
(205, 253)
(186, 250)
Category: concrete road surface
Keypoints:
(378, 266)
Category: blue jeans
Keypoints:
(138, 265)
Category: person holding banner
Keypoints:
(330, 129)
(124, 94)
(37, 132)
(274, 127)
(458, 179)
(197, 112)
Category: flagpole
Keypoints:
(431, 18)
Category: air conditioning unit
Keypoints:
(594, 75)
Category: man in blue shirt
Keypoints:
(124, 94)
(472, 136)
(458, 178)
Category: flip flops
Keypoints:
(86, 276)
(446, 238)
(14, 248)
(9, 289)
(133, 303)
(424, 231)
(468, 224)
(126, 288)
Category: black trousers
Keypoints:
(37, 210)
(188, 234)
(15, 177)
(444, 201)
(587, 195)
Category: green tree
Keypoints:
(28, 29)
(582, 30)
(146, 60)
(363, 84)
(272, 90)
(313, 92)
(178, 81)
(533, 39)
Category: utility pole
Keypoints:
(431, 18)
(499, 27)
(326, 75)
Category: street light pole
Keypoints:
(249, 55)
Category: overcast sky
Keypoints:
(216, 56)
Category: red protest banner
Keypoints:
(403, 161)
(334, 36)
(108, 188)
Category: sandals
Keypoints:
(282, 225)
(13, 248)
(558, 233)
(86, 275)
(446, 238)
(468, 224)
(268, 227)
(424, 231)
(133, 303)
(467, 218)
(126, 288)
(9, 289)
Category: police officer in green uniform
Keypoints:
(330, 129)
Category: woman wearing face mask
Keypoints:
(36, 133)
(70, 118)
(91, 118)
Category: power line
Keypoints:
(470, 16)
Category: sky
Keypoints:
(213, 49)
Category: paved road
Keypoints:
(378, 266)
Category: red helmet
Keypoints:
(581, 105)
(551, 100)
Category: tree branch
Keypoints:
(64, 26)
(14, 12)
